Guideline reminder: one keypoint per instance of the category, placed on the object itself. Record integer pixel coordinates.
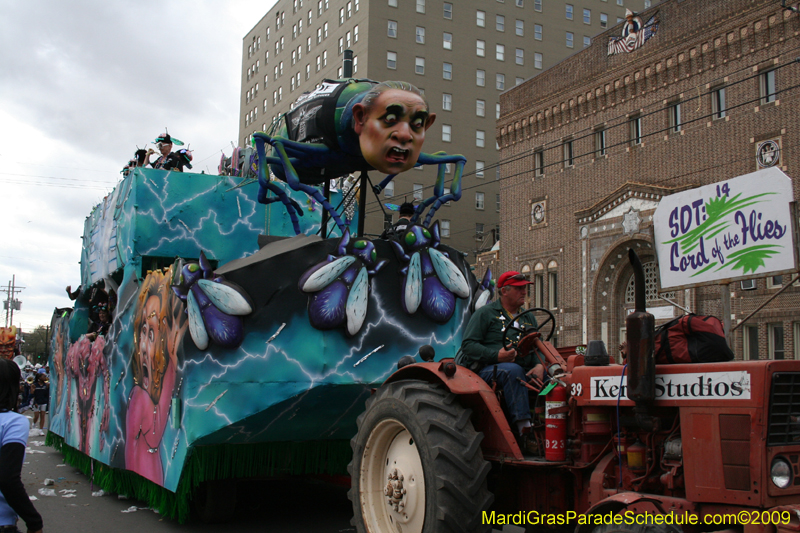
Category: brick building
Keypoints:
(591, 145)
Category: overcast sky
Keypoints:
(82, 83)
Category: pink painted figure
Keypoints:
(85, 365)
(159, 327)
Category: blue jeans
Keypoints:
(515, 393)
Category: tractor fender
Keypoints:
(638, 503)
(474, 393)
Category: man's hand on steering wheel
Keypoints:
(524, 331)
(506, 355)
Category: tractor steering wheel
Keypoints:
(524, 331)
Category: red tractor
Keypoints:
(633, 448)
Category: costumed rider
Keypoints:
(398, 228)
(164, 143)
(482, 348)
(102, 322)
(14, 500)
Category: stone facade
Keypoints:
(591, 145)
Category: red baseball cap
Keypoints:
(513, 278)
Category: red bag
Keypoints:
(692, 339)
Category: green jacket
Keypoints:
(483, 338)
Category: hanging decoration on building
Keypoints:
(768, 153)
(538, 212)
(634, 33)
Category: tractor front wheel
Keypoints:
(417, 463)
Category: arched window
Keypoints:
(650, 283)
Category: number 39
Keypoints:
(577, 389)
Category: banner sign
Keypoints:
(689, 386)
(735, 229)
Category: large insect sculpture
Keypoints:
(214, 305)
(431, 279)
(339, 286)
(350, 126)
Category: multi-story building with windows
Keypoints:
(591, 146)
(463, 55)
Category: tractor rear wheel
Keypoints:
(650, 528)
(417, 463)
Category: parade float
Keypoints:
(250, 316)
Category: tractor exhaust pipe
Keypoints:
(640, 332)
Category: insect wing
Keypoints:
(482, 299)
(196, 327)
(412, 292)
(357, 302)
(326, 274)
(448, 274)
(225, 298)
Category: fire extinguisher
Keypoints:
(555, 432)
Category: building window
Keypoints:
(497, 111)
(480, 138)
(324, 58)
(519, 3)
(570, 39)
(500, 52)
(520, 28)
(308, 71)
(480, 48)
(446, 133)
(500, 23)
(392, 30)
(750, 341)
(718, 106)
(569, 159)
(675, 117)
(418, 191)
(392, 3)
(447, 102)
(552, 292)
(341, 45)
(448, 11)
(569, 11)
(500, 82)
(537, 32)
(419, 65)
(319, 63)
(447, 71)
(538, 163)
(775, 282)
(420, 35)
(587, 16)
(420, 6)
(587, 41)
(480, 78)
(479, 166)
(603, 20)
(444, 228)
(768, 88)
(388, 191)
(480, 108)
(537, 5)
(447, 41)
(537, 60)
(325, 31)
(497, 203)
(479, 201)
(600, 142)
(635, 126)
(391, 60)
(776, 350)
(355, 64)
(538, 290)
(481, 19)
(355, 33)
(520, 57)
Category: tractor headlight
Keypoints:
(781, 472)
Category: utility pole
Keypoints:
(11, 302)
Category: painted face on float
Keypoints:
(392, 131)
(148, 343)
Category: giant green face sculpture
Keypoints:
(392, 130)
